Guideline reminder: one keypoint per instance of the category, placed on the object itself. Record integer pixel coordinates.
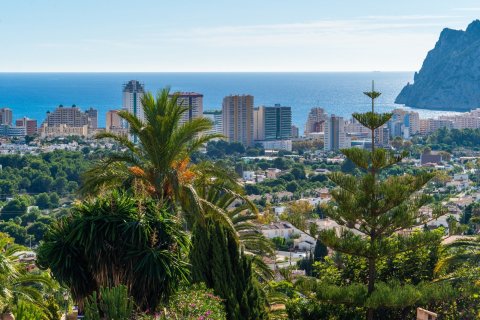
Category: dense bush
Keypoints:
(58, 171)
(451, 138)
(195, 302)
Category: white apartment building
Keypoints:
(62, 130)
(276, 144)
(216, 117)
(463, 121)
(404, 123)
(133, 93)
(191, 100)
(6, 116)
(431, 125)
(335, 136)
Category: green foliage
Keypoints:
(113, 240)
(28, 311)
(466, 305)
(282, 244)
(195, 302)
(111, 303)
(19, 287)
(298, 172)
(53, 171)
(43, 201)
(313, 229)
(348, 166)
(225, 195)
(376, 207)
(396, 295)
(159, 164)
(15, 208)
(307, 309)
(217, 261)
(451, 138)
(52, 309)
(221, 148)
(306, 264)
(292, 186)
(284, 287)
(412, 266)
(14, 230)
(40, 183)
(54, 200)
(320, 251)
(462, 252)
(388, 298)
(297, 214)
(37, 230)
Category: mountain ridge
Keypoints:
(450, 75)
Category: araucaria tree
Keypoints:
(378, 214)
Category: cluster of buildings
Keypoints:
(330, 129)
(337, 133)
(467, 120)
(62, 122)
(20, 128)
(69, 121)
(239, 121)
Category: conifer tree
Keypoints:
(377, 213)
(217, 261)
(320, 252)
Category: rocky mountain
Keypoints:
(450, 76)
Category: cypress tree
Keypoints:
(320, 252)
(375, 209)
(217, 261)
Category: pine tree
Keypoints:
(377, 213)
(217, 261)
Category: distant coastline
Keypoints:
(340, 93)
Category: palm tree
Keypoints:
(459, 253)
(159, 164)
(117, 240)
(16, 283)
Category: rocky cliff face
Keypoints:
(450, 75)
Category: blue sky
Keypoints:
(224, 35)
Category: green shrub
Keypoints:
(28, 311)
(194, 302)
(112, 303)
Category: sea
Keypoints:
(339, 93)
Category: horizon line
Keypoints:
(229, 71)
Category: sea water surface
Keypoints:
(340, 93)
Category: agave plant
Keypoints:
(111, 303)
